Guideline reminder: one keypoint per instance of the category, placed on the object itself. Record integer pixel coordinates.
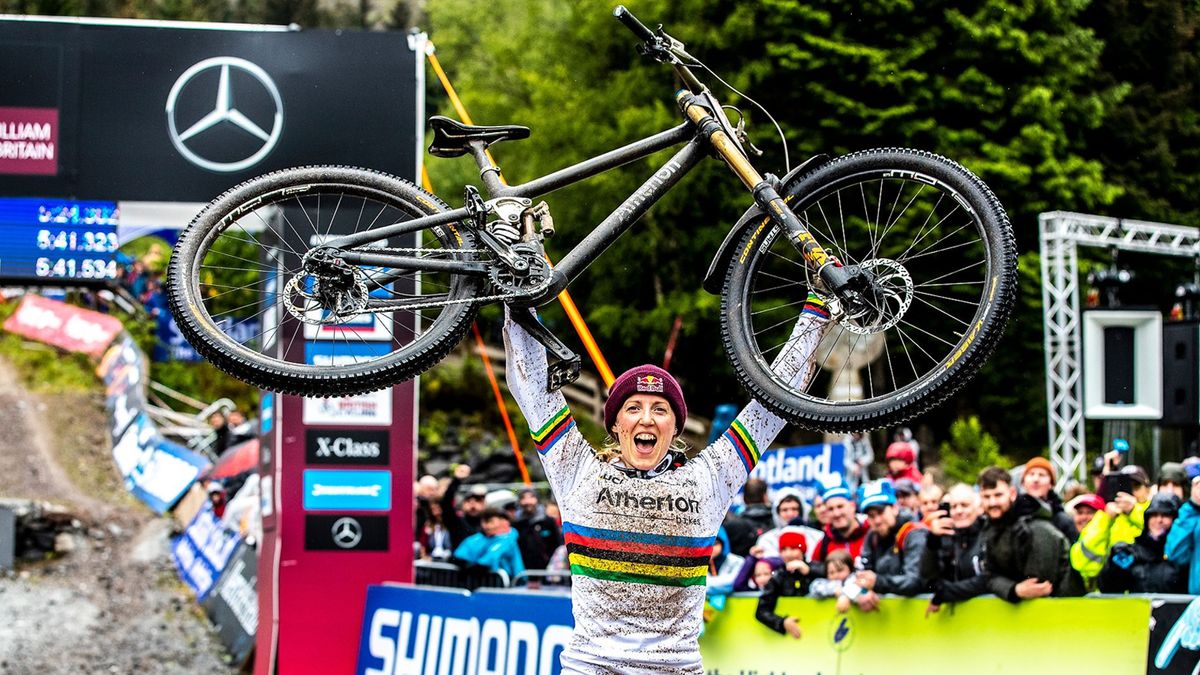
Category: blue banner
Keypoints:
(806, 467)
(347, 490)
(203, 550)
(155, 470)
(419, 630)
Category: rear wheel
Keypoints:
(240, 297)
(940, 252)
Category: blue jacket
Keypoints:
(500, 552)
(1182, 548)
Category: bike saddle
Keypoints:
(452, 139)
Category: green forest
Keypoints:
(1059, 105)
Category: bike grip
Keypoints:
(631, 22)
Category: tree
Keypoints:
(1007, 88)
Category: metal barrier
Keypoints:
(428, 573)
(536, 579)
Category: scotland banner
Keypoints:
(410, 629)
(806, 467)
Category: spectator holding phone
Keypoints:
(1126, 490)
(954, 560)
(1142, 567)
(1183, 541)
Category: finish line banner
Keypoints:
(409, 629)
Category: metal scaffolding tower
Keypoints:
(1061, 234)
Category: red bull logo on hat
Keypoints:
(650, 383)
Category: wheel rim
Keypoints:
(925, 245)
(247, 283)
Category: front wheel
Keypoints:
(241, 296)
(939, 250)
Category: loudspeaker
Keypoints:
(1122, 364)
(1181, 374)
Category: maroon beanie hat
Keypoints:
(645, 379)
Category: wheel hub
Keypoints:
(329, 292)
(884, 295)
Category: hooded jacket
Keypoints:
(1059, 517)
(896, 564)
(1183, 543)
(723, 570)
(538, 537)
(1100, 535)
(1023, 544)
(1142, 567)
(956, 564)
(769, 540)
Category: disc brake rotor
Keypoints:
(893, 288)
(324, 306)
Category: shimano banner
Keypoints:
(423, 630)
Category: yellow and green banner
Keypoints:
(985, 635)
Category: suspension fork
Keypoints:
(829, 269)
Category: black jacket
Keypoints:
(537, 537)
(1060, 519)
(1023, 544)
(459, 526)
(742, 533)
(897, 567)
(782, 584)
(1142, 567)
(956, 564)
(760, 515)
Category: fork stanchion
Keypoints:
(564, 298)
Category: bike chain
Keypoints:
(443, 303)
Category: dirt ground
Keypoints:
(112, 604)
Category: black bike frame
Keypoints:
(583, 253)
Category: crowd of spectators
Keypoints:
(476, 529)
(1008, 535)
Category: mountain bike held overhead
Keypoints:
(909, 254)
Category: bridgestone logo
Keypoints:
(346, 447)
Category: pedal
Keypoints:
(565, 366)
(562, 373)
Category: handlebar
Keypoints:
(631, 22)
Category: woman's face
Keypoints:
(644, 429)
(762, 573)
(1158, 524)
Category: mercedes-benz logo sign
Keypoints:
(347, 532)
(224, 112)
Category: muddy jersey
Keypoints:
(639, 547)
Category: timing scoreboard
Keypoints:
(58, 240)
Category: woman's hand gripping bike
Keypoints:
(328, 281)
